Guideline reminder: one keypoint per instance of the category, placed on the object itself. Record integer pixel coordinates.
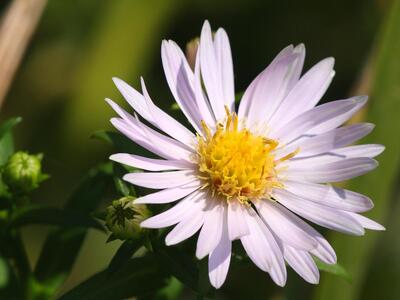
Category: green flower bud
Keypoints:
(124, 217)
(23, 172)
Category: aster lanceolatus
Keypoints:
(255, 174)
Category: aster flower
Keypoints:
(255, 174)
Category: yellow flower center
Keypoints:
(236, 164)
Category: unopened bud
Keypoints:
(191, 51)
(23, 172)
(124, 217)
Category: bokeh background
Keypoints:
(77, 46)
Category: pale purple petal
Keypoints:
(152, 140)
(328, 172)
(168, 124)
(169, 195)
(339, 119)
(211, 232)
(284, 225)
(336, 138)
(161, 180)
(246, 101)
(175, 214)
(267, 91)
(223, 56)
(188, 226)
(323, 251)
(237, 226)
(302, 263)
(366, 222)
(306, 93)
(134, 98)
(219, 260)
(150, 164)
(201, 99)
(312, 118)
(297, 66)
(368, 150)
(254, 244)
(180, 80)
(264, 250)
(331, 196)
(319, 214)
(210, 72)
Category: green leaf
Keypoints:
(3, 273)
(53, 216)
(123, 254)
(62, 245)
(120, 185)
(171, 291)
(8, 125)
(179, 264)
(139, 277)
(335, 269)
(6, 139)
(117, 140)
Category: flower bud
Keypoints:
(124, 217)
(23, 172)
(191, 52)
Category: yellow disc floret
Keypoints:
(235, 163)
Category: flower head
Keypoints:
(249, 174)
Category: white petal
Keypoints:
(187, 227)
(331, 196)
(302, 263)
(321, 215)
(339, 119)
(210, 72)
(237, 226)
(160, 180)
(306, 93)
(219, 261)
(284, 225)
(180, 80)
(150, 164)
(366, 222)
(312, 118)
(329, 172)
(211, 232)
(263, 249)
(169, 195)
(175, 214)
(168, 124)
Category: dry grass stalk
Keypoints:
(16, 28)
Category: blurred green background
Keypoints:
(78, 46)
